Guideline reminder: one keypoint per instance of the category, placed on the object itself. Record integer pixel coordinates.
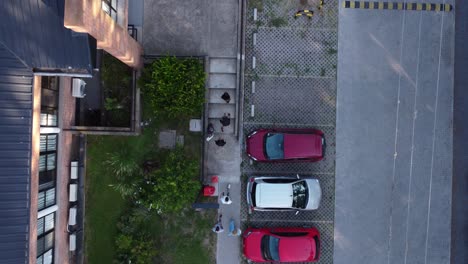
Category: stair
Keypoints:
(217, 126)
(218, 110)
(222, 79)
(215, 96)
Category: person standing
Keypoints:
(226, 97)
(225, 121)
(225, 198)
(220, 142)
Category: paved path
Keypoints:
(203, 28)
(394, 136)
(190, 27)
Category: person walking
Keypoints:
(220, 142)
(218, 228)
(233, 231)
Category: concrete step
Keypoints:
(222, 81)
(223, 65)
(215, 96)
(218, 110)
(217, 125)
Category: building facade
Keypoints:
(44, 45)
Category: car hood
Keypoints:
(302, 146)
(315, 194)
(295, 249)
(255, 145)
(252, 248)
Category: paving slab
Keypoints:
(167, 139)
(190, 27)
(394, 136)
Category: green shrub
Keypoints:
(133, 243)
(172, 187)
(122, 163)
(174, 86)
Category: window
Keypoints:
(46, 198)
(274, 146)
(110, 7)
(300, 194)
(47, 170)
(269, 246)
(47, 160)
(45, 224)
(49, 101)
(45, 239)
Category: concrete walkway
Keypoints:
(200, 28)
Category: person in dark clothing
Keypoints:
(225, 121)
(226, 97)
(220, 142)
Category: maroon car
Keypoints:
(282, 145)
(287, 244)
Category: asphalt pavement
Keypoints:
(394, 136)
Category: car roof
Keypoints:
(302, 145)
(296, 248)
(268, 195)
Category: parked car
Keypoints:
(266, 193)
(283, 145)
(287, 244)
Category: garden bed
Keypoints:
(124, 229)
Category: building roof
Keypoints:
(16, 103)
(34, 31)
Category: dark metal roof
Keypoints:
(16, 103)
(34, 31)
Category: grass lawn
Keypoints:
(184, 238)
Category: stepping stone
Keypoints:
(180, 140)
(167, 139)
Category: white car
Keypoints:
(268, 193)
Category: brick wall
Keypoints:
(86, 16)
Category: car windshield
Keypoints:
(270, 248)
(300, 194)
(274, 146)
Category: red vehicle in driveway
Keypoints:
(283, 145)
(286, 244)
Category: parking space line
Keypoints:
(287, 124)
(437, 7)
(275, 172)
(289, 76)
(291, 221)
(293, 28)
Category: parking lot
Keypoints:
(290, 81)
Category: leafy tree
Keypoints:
(173, 186)
(174, 86)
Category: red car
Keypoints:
(282, 145)
(286, 244)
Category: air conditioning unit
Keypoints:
(72, 242)
(78, 88)
(73, 196)
(72, 216)
(74, 170)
